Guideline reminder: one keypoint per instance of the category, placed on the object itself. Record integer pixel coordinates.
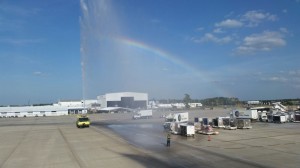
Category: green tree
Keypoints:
(186, 100)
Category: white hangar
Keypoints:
(131, 100)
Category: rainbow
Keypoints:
(156, 51)
(171, 58)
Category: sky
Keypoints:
(78, 49)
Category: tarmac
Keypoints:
(57, 142)
(115, 140)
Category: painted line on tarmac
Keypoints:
(76, 157)
(16, 147)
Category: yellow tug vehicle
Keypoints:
(82, 121)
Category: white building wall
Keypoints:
(88, 103)
(71, 103)
(31, 111)
(253, 102)
(117, 96)
(103, 99)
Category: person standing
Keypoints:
(168, 140)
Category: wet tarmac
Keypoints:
(265, 145)
(114, 140)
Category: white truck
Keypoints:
(176, 118)
(254, 114)
(143, 114)
(248, 114)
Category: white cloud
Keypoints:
(291, 77)
(294, 72)
(200, 29)
(265, 41)
(37, 73)
(218, 30)
(229, 23)
(255, 17)
(275, 79)
(283, 30)
(208, 37)
(40, 74)
(284, 10)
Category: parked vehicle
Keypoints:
(143, 114)
(230, 123)
(279, 118)
(297, 117)
(176, 118)
(243, 123)
(82, 121)
(254, 114)
(218, 122)
(175, 128)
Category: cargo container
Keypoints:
(291, 116)
(270, 117)
(175, 128)
(244, 123)
(297, 117)
(279, 118)
(230, 123)
(187, 130)
(207, 121)
(218, 122)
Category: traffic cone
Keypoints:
(209, 139)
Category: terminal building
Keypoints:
(108, 103)
(132, 100)
(37, 111)
(58, 109)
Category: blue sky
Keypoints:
(234, 48)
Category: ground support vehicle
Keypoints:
(244, 124)
(175, 128)
(187, 130)
(291, 116)
(207, 121)
(279, 118)
(218, 122)
(270, 117)
(175, 118)
(82, 121)
(297, 117)
(230, 123)
(143, 114)
(207, 130)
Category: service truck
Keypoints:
(176, 118)
(143, 114)
(82, 121)
(254, 114)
